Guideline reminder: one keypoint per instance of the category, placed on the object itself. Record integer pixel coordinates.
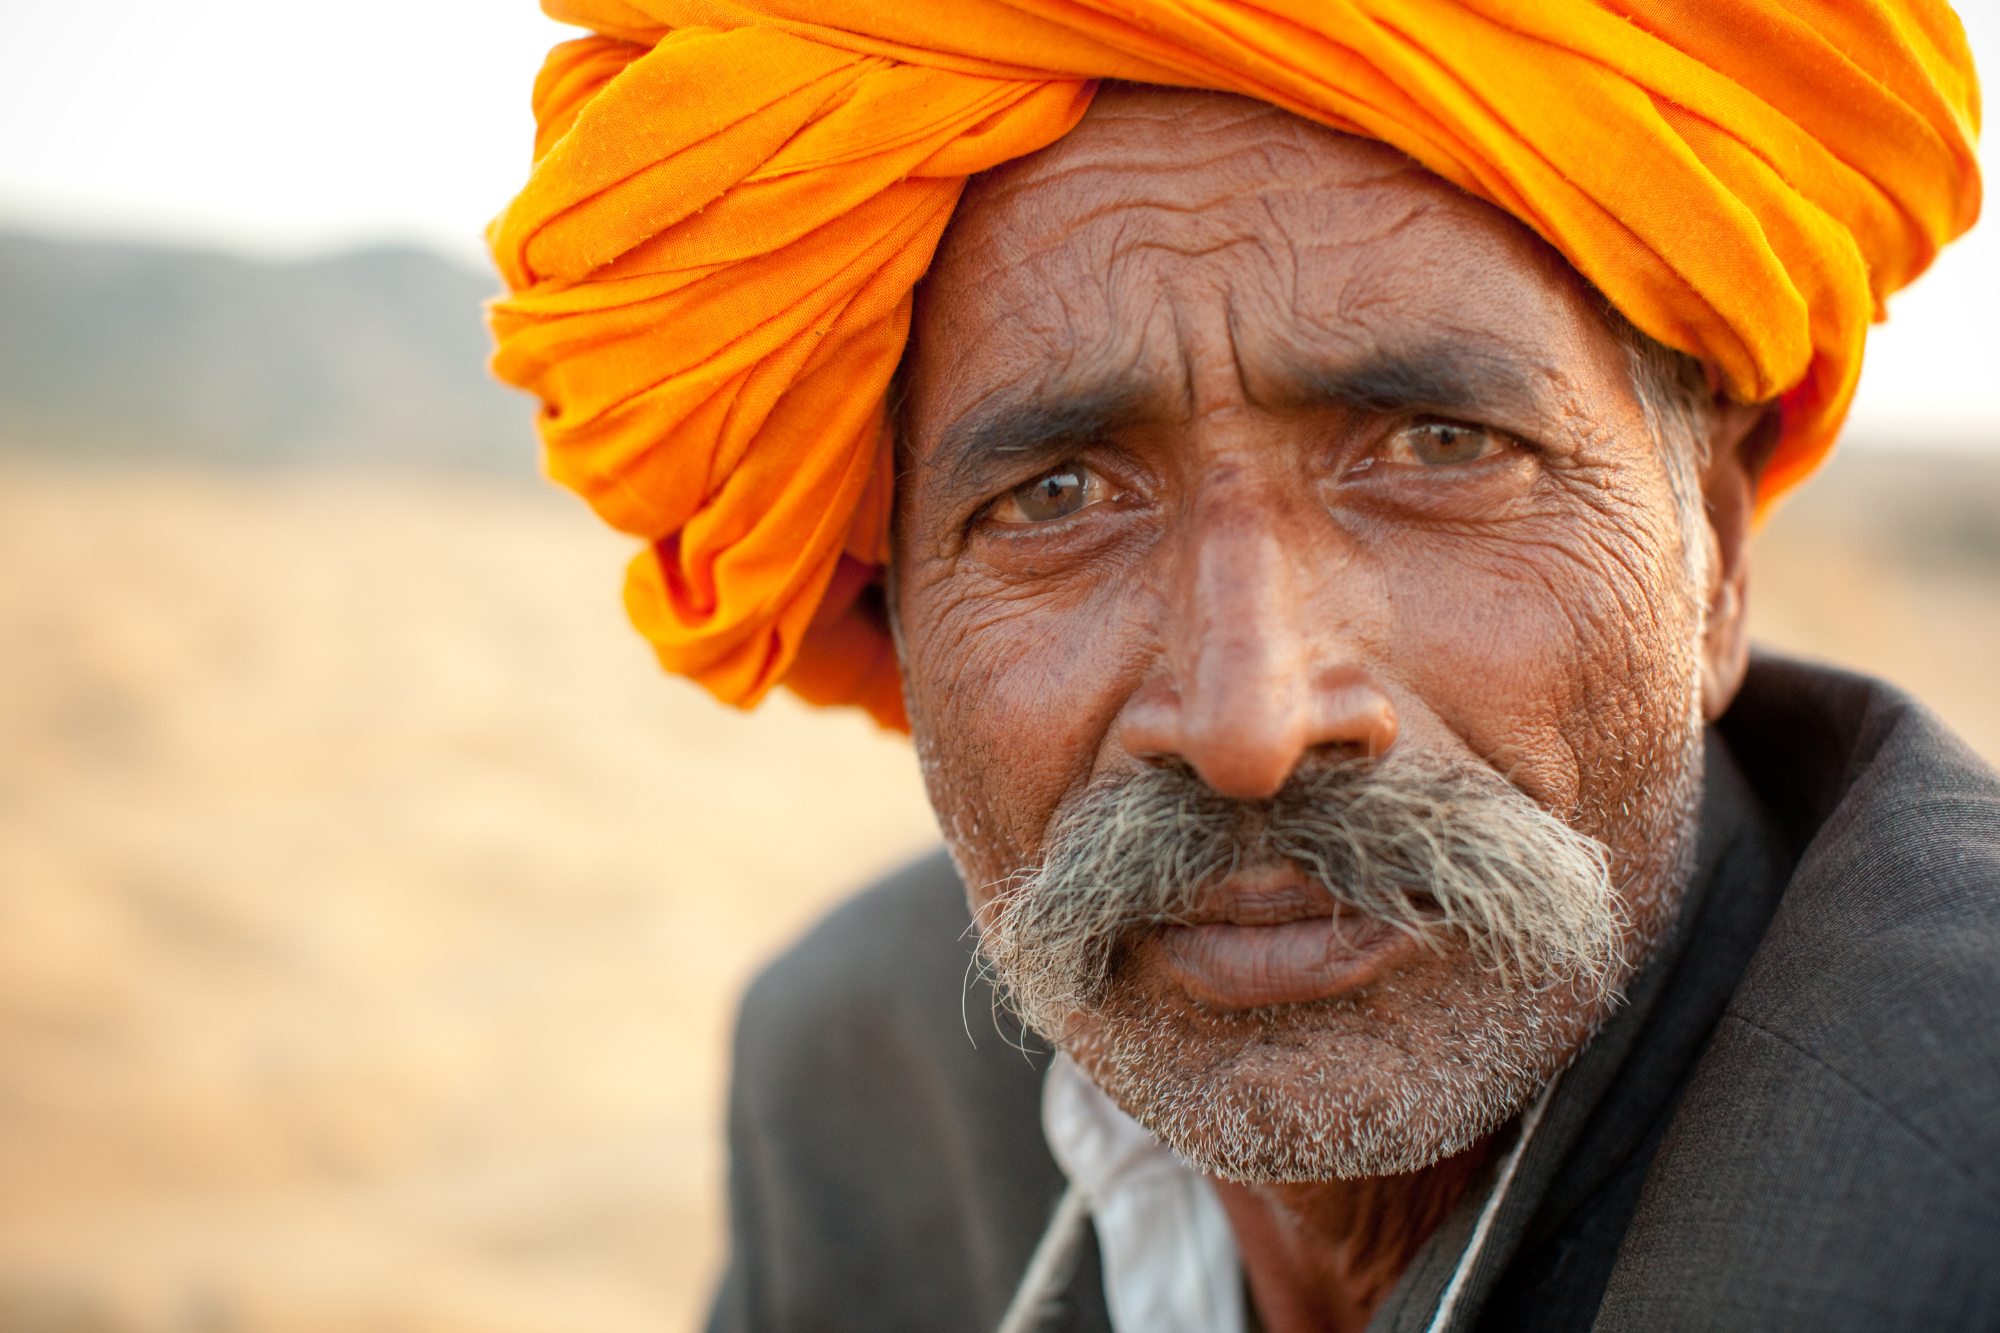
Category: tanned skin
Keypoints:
(1227, 439)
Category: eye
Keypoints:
(1443, 444)
(1057, 493)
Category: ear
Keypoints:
(1741, 438)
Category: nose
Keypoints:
(1254, 677)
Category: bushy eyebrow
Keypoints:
(1008, 436)
(1014, 436)
(1454, 376)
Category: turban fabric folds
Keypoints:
(712, 262)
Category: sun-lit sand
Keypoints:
(372, 910)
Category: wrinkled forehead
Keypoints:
(1173, 225)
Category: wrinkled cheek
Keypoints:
(1560, 662)
(1009, 701)
(1578, 687)
(1505, 666)
(1629, 717)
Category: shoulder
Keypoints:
(887, 1166)
(1836, 1158)
(1881, 969)
(878, 1026)
(895, 950)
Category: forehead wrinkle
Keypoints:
(1258, 147)
(1116, 238)
(1120, 160)
(1251, 172)
(1200, 300)
(1255, 221)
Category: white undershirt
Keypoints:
(1169, 1257)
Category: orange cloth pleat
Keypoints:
(710, 267)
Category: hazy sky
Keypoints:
(288, 129)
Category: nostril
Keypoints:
(1336, 752)
(1354, 715)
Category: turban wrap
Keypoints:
(711, 265)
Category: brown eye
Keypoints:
(1055, 494)
(1444, 444)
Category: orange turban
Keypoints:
(712, 261)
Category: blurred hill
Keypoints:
(376, 356)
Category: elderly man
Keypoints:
(1301, 513)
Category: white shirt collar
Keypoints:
(1169, 1257)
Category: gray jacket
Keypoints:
(1793, 1124)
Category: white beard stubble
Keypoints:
(1528, 941)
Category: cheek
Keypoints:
(1011, 698)
(1551, 654)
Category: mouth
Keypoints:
(1270, 936)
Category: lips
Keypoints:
(1270, 936)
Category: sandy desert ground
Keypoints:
(372, 912)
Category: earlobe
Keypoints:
(1740, 441)
(1725, 651)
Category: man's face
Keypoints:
(1241, 459)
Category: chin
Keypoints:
(1386, 1081)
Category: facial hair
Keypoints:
(1524, 944)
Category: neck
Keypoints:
(1323, 1256)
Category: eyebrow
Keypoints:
(1443, 376)
(1005, 436)
(1047, 428)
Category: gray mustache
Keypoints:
(1444, 852)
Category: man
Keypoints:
(1314, 554)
